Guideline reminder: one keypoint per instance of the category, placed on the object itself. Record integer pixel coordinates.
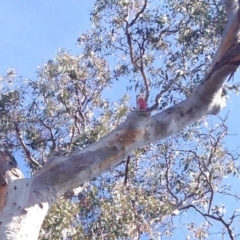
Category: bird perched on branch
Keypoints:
(141, 103)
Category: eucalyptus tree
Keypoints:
(107, 169)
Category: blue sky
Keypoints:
(33, 31)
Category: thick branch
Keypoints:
(8, 168)
(138, 130)
(8, 173)
(231, 31)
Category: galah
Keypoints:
(141, 104)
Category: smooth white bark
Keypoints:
(23, 214)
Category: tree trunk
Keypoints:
(23, 213)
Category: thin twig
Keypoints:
(139, 13)
(53, 147)
(25, 149)
(132, 57)
(126, 170)
(156, 104)
(169, 166)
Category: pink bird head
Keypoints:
(141, 104)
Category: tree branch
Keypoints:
(126, 170)
(138, 14)
(132, 57)
(8, 168)
(61, 174)
(217, 218)
(52, 139)
(137, 130)
(25, 149)
(231, 31)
